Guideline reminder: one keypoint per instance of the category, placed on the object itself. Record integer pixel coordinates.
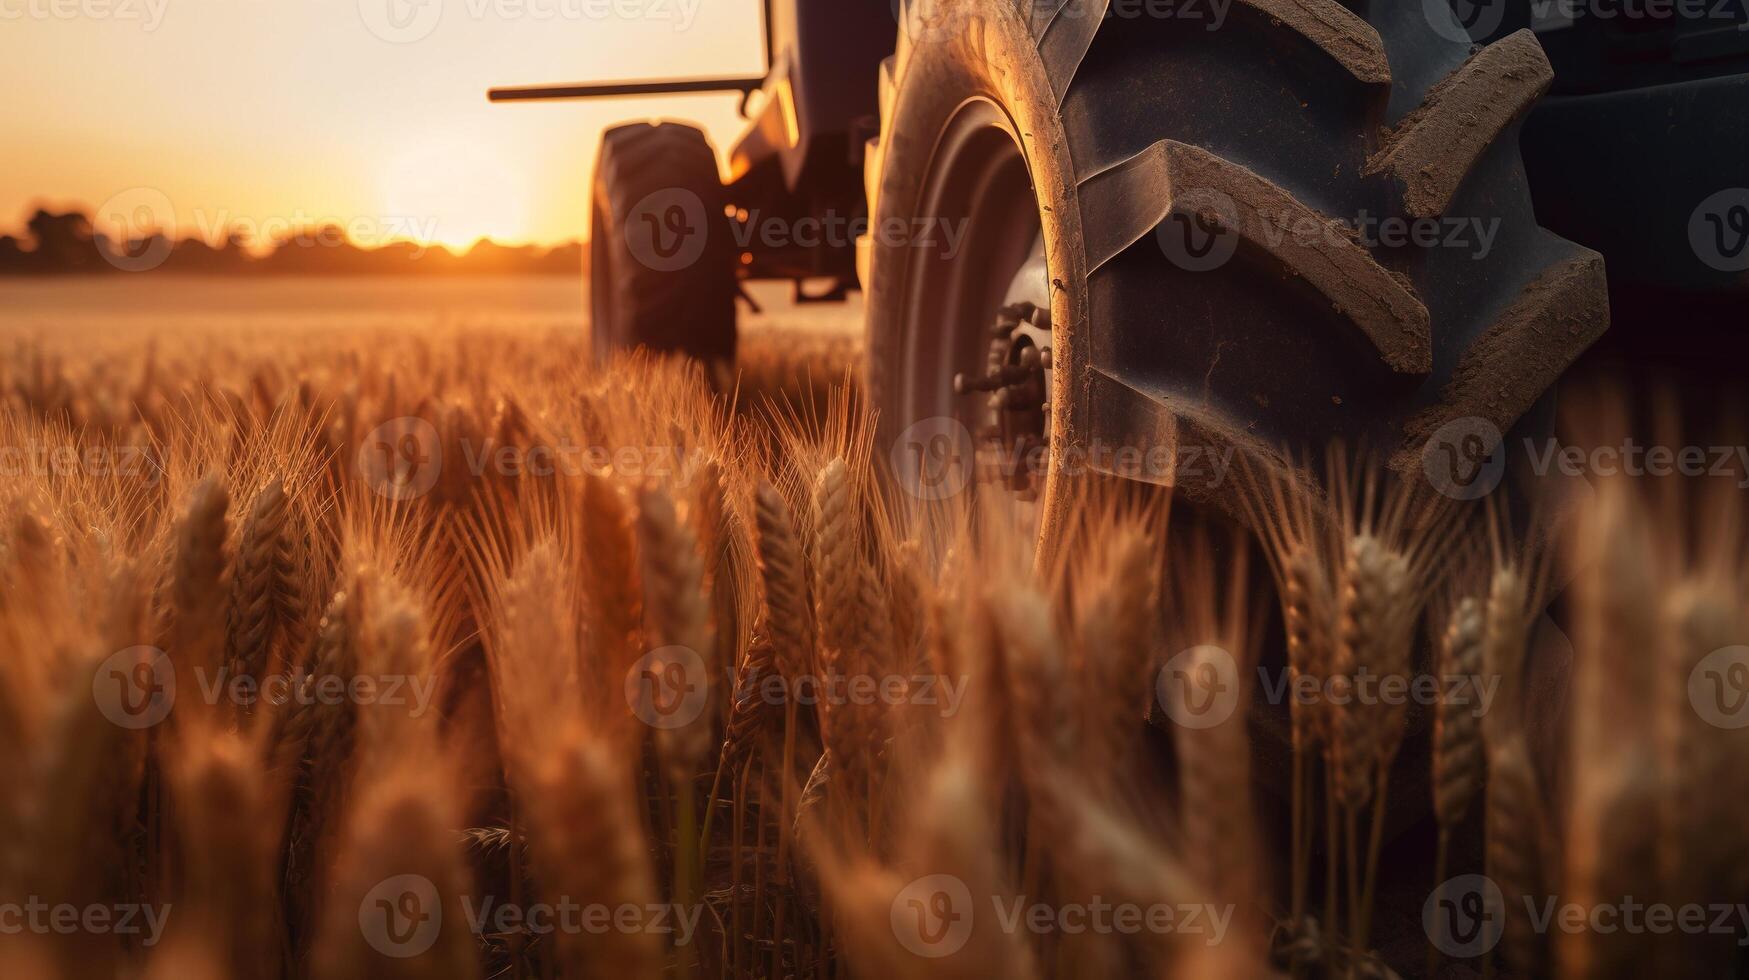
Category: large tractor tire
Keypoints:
(661, 253)
(1310, 224)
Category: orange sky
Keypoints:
(260, 114)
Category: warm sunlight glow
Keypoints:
(454, 192)
(257, 116)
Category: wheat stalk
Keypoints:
(677, 614)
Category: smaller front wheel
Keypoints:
(661, 253)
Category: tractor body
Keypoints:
(795, 174)
(1640, 151)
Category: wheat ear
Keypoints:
(1309, 618)
(1373, 639)
(399, 869)
(676, 613)
(615, 602)
(789, 621)
(264, 588)
(1505, 643)
(788, 614)
(1308, 609)
(836, 589)
(1514, 853)
(1701, 839)
(1375, 588)
(316, 728)
(198, 576)
(315, 742)
(1611, 856)
(1459, 757)
(588, 838)
(753, 717)
(1215, 781)
(1458, 762)
(1116, 632)
(230, 837)
(842, 594)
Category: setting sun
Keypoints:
(453, 192)
(264, 116)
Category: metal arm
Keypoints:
(614, 90)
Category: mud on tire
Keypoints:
(1383, 275)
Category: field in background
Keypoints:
(126, 303)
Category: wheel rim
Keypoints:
(955, 371)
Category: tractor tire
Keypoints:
(661, 253)
(1308, 225)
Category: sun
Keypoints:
(452, 192)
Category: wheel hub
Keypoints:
(1012, 422)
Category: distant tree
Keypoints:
(13, 257)
(64, 242)
(565, 260)
(195, 255)
(68, 243)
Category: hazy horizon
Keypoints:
(364, 113)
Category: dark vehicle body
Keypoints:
(1647, 122)
(808, 119)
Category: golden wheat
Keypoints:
(518, 605)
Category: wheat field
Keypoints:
(450, 655)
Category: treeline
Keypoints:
(67, 244)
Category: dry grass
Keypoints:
(633, 680)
